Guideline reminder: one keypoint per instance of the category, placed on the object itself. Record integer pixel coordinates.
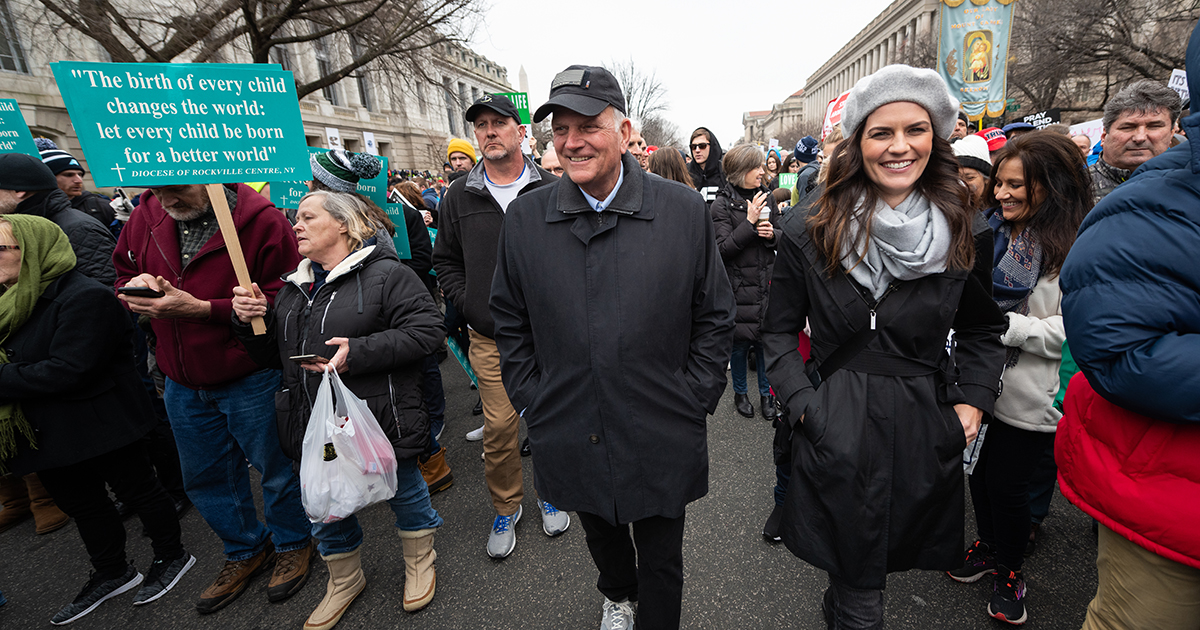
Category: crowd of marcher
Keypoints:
(922, 293)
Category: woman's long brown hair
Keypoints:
(848, 181)
(1051, 169)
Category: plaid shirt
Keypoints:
(195, 233)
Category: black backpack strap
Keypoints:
(818, 373)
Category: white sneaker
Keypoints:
(476, 435)
(554, 522)
(617, 615)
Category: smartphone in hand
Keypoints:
(145, 292)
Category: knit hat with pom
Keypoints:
(340, 170)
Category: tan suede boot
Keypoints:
(346, 581)
(15, 499)
(419, 574)
(46, 514)
(436, 471)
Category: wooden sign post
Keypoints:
(220, 205)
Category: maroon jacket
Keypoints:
(205, 353)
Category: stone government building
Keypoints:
(412, 127)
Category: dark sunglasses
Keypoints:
(8, 247)
(700, 145)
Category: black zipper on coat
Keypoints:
(872, 307)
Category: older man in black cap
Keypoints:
(614, 320)
(464, 256)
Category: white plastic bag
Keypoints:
(346, 462)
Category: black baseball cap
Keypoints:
(585, 90)
(495, 102)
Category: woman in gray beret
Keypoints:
(884, 261)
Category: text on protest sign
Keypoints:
(1044, 119)
(1178, 82)
(787, 180)
(156, 124)
(14, 133)
(287, 195)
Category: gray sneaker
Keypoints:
(503, 538)
(162, 577)
(617, 615)
(553, 521)
(97, 591)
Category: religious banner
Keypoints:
(973, 54)
(14, 133)
(157, 124)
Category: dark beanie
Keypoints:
(58, 161)
(25, 172)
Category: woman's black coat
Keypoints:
(392, 323)
(877, 480)
(71, 369)
(748, 259)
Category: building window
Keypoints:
(325, 68)
(451, 110)
(421, 97)
(462, 99)
(281, 56)
(474, 94)
(362, 77)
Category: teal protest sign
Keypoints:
(787, 180)
(289, 194)
(155, 124)
(395, 212)
(973, 53)
(14, 133)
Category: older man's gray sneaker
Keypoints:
(617, 615)
(554, 522)
(503, 538)
(97, 591)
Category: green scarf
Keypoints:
(46, 254)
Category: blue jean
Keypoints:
(411, 506)
(435, 400)
(217, 430)
(737, 367)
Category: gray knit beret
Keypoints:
(897, 83)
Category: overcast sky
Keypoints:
(716, 58)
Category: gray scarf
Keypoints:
(907, 242)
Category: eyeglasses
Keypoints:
(8, 247)
(700, 145)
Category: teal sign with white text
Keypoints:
(289, 194)
(157, 124)
(14, 133)
(395, 212)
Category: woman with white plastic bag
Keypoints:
(355, 309)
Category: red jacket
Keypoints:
(205, 353)
(1138, 476)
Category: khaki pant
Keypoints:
(501, 429)
(1141, 590)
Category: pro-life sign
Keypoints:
(161, 124)
(155, 124)
(14, 133)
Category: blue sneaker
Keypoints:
(503, 538)
(553, 521)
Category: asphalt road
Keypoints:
(733, 579)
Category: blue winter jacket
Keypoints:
(1131, 284)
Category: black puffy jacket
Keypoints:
(748, 260)
(392, 323)
(92, 242)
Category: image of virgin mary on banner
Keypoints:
(973, 53)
